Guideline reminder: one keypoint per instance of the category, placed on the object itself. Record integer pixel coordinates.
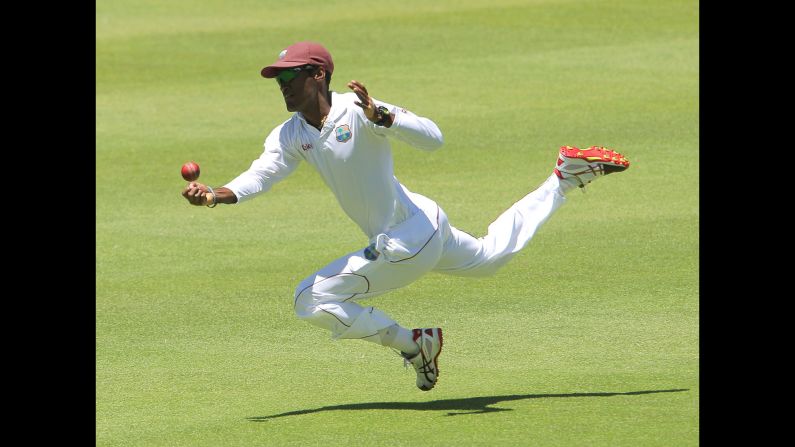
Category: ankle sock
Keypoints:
(399, 338)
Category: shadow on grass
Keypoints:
(454, 407)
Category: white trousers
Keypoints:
(422, 243)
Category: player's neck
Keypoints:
(316, 115)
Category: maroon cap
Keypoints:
(298, 54)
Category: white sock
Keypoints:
(399, 338)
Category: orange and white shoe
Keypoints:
(426, 362)
(582, 166)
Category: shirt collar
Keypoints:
(338, 108)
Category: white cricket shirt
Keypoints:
(351, 154)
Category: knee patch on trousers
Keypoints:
(340, 287)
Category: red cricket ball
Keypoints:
(190, 171)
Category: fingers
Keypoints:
(194, 193)
(361, 92)
(356, 85)
(365, 101)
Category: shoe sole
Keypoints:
(595, 154)
(609, 160)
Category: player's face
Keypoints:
(298, 87)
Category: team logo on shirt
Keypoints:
(343, 133)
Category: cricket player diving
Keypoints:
(346, 139)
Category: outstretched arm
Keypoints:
(275, 163)
(415, 130)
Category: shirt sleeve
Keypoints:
(276, 162)
(410, 128)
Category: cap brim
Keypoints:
(272, 70)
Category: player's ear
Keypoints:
(320, 73)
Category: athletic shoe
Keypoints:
(584, 165)
(426, 362)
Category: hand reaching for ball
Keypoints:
(197, 194)
(202, 195)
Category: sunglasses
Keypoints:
(286, 76)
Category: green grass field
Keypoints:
(589, 337)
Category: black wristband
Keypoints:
(383, 116)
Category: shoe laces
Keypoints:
(426, 366)
(596, 169)
(406, 361)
